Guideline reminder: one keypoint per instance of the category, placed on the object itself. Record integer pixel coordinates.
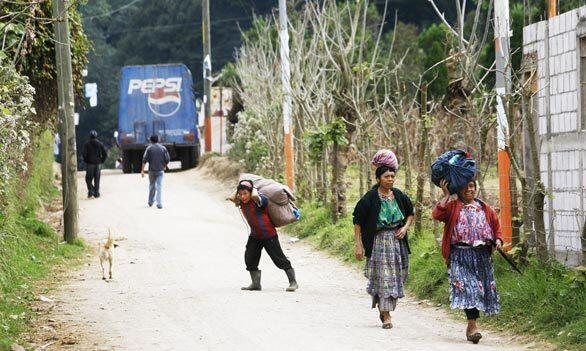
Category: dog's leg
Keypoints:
(103, 270)
(110, 260)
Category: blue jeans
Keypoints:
(155, 187)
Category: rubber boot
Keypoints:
(255, 285)
(292, 282)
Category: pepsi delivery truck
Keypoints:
(157, 99)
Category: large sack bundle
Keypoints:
(281, 208)
(455, 166)
(385, 157)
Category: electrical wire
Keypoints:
(187, 24)
(113, 11)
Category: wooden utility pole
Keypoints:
(552, 8)
(286, 81)
(503, 90)
(207, 73)
(66, 120)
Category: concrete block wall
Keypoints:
(555, 45)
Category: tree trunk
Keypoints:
(406, 157)
(421, 152)
(335, 181)
(538, 195)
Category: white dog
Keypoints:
(106, 254)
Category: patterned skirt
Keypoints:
(387, 269)
(472, 283)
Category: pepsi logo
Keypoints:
(163, 94)
(163, 103)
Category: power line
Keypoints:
(178, 25)
(113, 11)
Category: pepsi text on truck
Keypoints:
(157, 99)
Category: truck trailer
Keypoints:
(157, 99)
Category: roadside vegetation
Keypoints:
(29, 248)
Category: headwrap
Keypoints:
(385, 157)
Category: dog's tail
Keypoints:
(110, 240)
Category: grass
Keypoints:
(29, 248)
(547, 302)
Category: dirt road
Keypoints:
(177, 285)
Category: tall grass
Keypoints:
(29, 248)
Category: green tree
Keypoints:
(433, 43)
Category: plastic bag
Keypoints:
(455, 166)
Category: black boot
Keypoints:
(255, 285)
(292, 282)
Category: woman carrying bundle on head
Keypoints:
(471, 233)
(381, 220)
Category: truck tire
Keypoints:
(188, 157)
(136, 161)
(127, 161)
(184, 157)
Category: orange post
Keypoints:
(552, 8)
(504, 168)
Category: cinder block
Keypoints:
(540, 30)
(572, 80)
(573, 126)
(542, 127)
(573, 100)
(573, 19)
(573, 40)
(541, 50)
(554, 26)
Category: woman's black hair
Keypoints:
(243, 186)
(382, 170)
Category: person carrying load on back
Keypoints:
(471, 233)
(263, 234)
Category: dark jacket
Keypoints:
(450, 213)
(94, 152)
(366, 214)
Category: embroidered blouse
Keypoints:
(390, 214)
(472, 227)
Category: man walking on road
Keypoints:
(94, 154)
(263, 234)
(157, 156)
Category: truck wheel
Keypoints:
(196, 153)
(184, 157)
(136, 161)
(126, 161)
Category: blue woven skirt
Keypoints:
(472, 283)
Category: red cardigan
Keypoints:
(450, 213)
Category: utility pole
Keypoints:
(66, 120)
(552, 8)
(503, 94)
(207, 74)
(286, 81)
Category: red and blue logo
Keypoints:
(163, 94)
(164, 104)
